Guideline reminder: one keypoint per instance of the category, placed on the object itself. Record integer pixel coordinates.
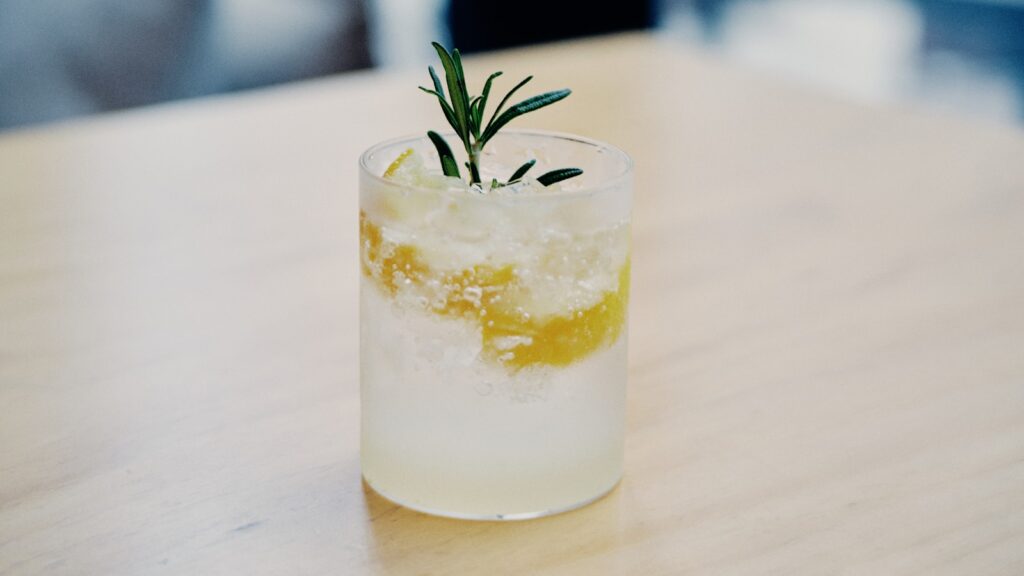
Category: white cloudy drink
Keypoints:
(493, 329)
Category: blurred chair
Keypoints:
(62, 58)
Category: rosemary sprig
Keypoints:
(465, 115)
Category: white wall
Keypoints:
(401, 31)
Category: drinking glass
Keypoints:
(493, 328)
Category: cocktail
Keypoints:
(493, 322)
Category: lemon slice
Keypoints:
(409, 168)
(397, 163)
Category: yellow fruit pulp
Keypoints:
(488, 296)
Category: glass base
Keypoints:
(497, 517)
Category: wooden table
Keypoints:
(827, 335)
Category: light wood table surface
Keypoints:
(827, 335)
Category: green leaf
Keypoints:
(446, 108)
(549, 178)
(528, 105)
(460, 104)
(486, 93)
(474, 116)
(505, 99)
(437, 82)
(448, 164)
(463, 95)
(448, 112)
(522, 170)
(457, 60)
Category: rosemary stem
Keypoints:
(474, 162)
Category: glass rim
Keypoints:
(613, 181)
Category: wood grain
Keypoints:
(827, 335)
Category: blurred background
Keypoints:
(61, 59)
